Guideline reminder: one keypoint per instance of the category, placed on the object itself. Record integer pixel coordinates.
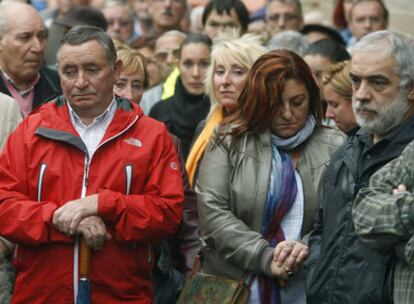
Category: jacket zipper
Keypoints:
(84, 188)
(42, 171)
(128, 178)
(149, 254)
(77, 238)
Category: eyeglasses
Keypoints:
(173, 1)
(162, 55)
(287, 17)
(365, 19)
(121, 22)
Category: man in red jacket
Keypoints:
(92, 166)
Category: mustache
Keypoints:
(83, 93)
(362, 106)
(35, 59)
(168, 12)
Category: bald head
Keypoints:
(166, 51)
(23, 42)
(10, 9)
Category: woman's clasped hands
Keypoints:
(287, 258)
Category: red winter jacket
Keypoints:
(135, 172)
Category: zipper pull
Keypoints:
(87, 175)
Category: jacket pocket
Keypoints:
(42, 171)
(128, 178)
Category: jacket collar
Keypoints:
(44, 90)
(401, 134)
(56, 123)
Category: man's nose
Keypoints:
(171, 59)
(116, 26)
(368, 24)
(168, 3)
(38, 44)
(81, 81)
(363, 91)
(281, 22)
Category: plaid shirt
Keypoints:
(385, 221)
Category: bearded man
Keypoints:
(341, 268)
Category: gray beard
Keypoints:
(386, 117)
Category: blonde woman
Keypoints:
(134, 77)
(231, 59)
(337, 89)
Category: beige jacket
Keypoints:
(10, 117)
(232, 189)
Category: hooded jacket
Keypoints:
(135, 173)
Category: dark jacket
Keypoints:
(340, 267)
(47, 88)
(176, 254)
(181, 113)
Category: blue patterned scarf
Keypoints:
(288, 144)
(280, 198)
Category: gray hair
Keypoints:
(297, 3)
(290, 40)
(5, 8)
(173, 33)
(3, 19)
(114, 3)
(83, 33)
(398, 45)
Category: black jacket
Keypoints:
(340, 267)
(181, 113)
(47, 88)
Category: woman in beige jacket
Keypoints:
(260, 178)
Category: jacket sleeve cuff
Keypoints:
(265, 261)
(107, 202)
(54, 234)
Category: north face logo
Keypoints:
(134, 142)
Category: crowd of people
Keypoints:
(140, 138)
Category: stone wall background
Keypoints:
(401, 12)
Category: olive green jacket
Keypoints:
(232, 188)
